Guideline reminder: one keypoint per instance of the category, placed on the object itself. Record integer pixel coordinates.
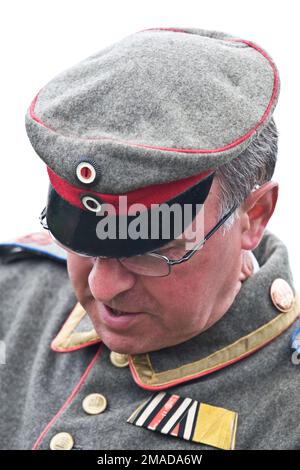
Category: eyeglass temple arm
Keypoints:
(43, 220)
(221, 221)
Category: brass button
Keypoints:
(94, 404)
(119, 360)
(62, 441)
(282, 295)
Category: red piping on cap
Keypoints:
(180, 150)
(154, 194)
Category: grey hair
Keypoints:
(252, 168)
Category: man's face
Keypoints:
(173, 308)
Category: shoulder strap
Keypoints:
(37, 244)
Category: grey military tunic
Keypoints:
(54, 360)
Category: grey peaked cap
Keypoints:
(157, 106)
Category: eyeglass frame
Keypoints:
(170, 262)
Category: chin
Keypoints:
(121, 344)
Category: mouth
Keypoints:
(116, 312)
(119, 319)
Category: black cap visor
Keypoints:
(89, 233)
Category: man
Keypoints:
(157, 342)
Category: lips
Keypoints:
(118, 319)
(118, 312)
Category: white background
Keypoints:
(39, 39)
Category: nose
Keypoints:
(108, 278)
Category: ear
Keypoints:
(256, 212)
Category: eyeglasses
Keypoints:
(153, 263)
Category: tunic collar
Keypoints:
(252, 321)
